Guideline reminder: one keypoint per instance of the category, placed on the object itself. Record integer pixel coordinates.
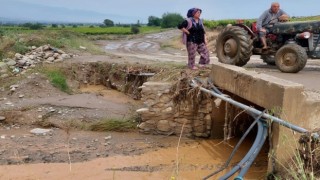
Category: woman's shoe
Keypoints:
(193, 68)
(204, 66)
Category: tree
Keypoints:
(138, 23)
(170, 20)
(154, 21)
(36, 26)
(108, 23)
(1, 33)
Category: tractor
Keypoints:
(290, 44)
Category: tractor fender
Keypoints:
(250, 32)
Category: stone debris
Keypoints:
(2, 118)
(39, 131)
(107, 138)
(82, 47)
(43, 54)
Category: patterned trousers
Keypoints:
(202, 49)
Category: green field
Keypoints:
(89, 30)
(111, 30)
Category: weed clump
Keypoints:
(113, 125)
(58, 80)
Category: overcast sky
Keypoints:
(130, 11)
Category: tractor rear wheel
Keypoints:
(234, 46)
(291, 58)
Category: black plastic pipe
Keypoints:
(235, 148)
(246, 166)
(248, 155)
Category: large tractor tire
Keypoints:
(291, 58)
(269, 59)
(234, 46)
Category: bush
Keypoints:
(36, 26)
(20, 48)
(135, 29)
(1, 33)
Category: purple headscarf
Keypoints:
(195, 11)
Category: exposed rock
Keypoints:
(163, 125)
(82, 47)
(2, 118)
(39, 131)
(142, 110)
(11, 62)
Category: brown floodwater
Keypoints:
(193, 159)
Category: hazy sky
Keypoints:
(130, 11)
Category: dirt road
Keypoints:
(148, 48)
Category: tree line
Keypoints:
(168, 20)
(171, 20)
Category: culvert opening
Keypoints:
(245, 134)
(237, 121)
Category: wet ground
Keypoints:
(67, 154)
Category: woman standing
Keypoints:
(193, 28)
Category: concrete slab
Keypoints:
(292, 102)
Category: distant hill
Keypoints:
(16, 11)
(12, 21)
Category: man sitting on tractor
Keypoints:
(267, 19)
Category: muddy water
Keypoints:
(144, 156)
(194, 159)
(109, 94)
